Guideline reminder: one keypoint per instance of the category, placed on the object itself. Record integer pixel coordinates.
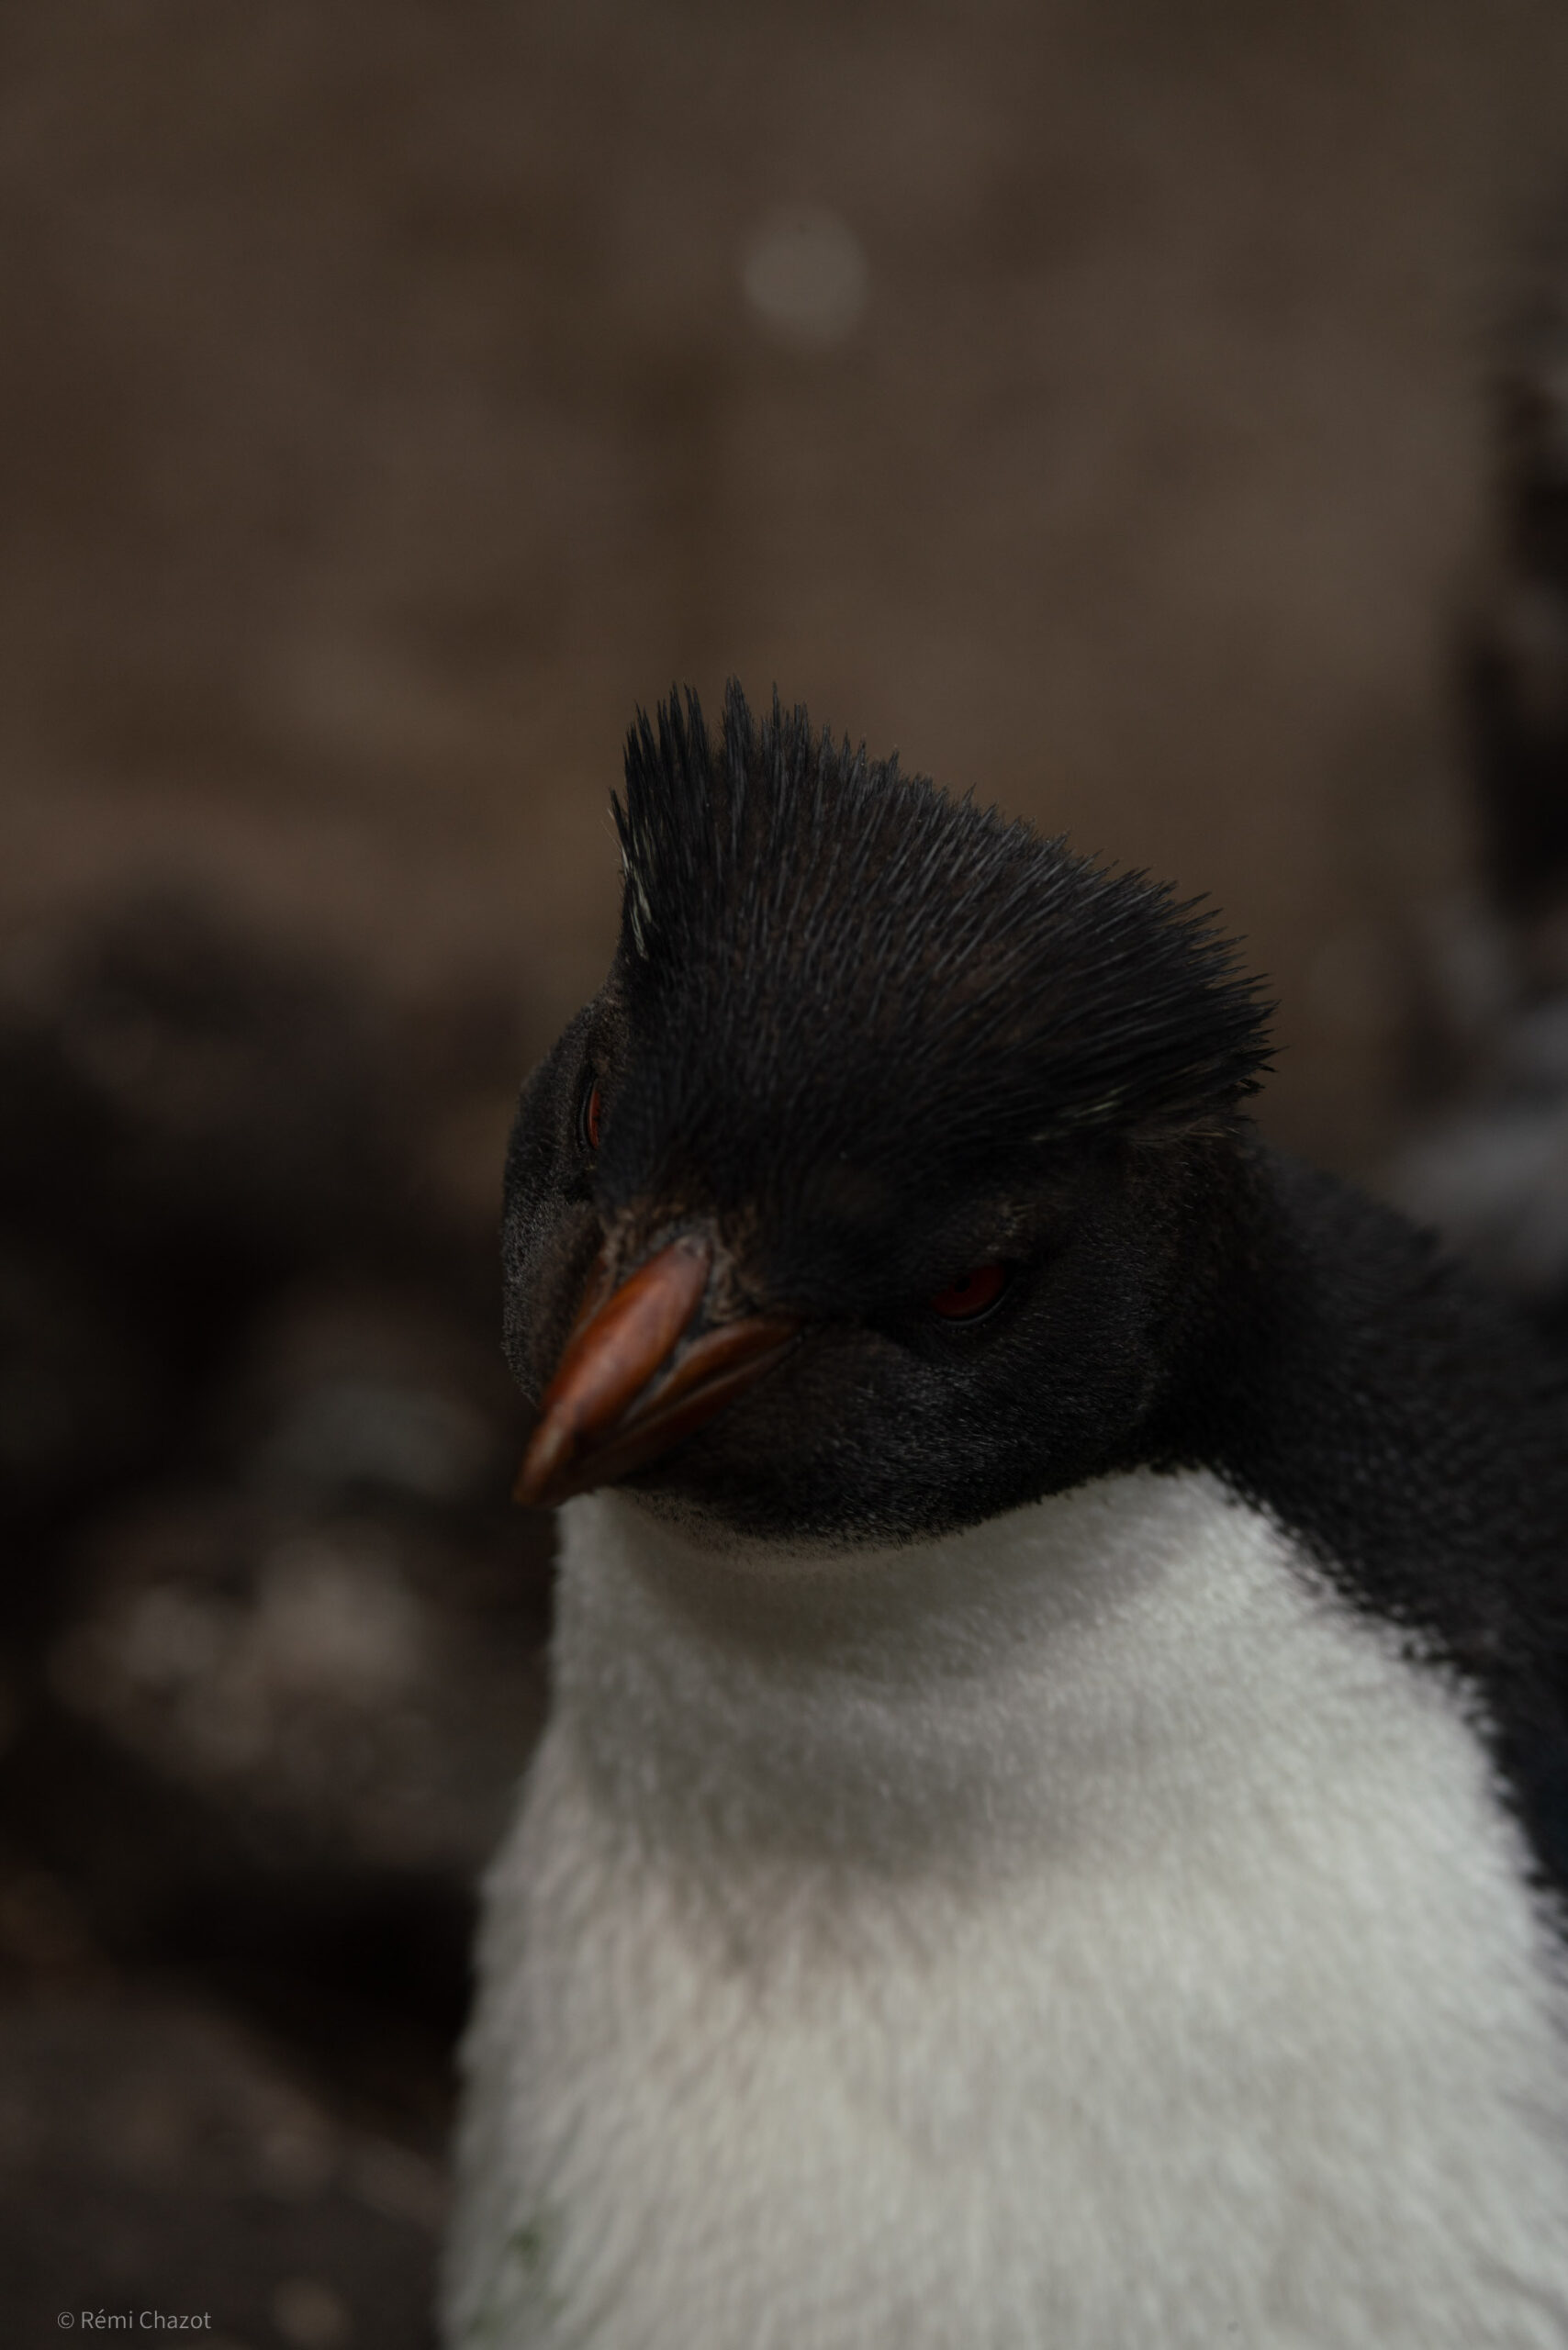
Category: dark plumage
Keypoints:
(879, 1035)
(1404, 1425)
(844, 964)
(884, 1034)
(1034, 1499)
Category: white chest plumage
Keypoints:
(1082, 1933)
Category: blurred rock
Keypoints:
(330, 1682)
(220, 1095)
(343, 1392)
(153, 2156)
(82, 1391)
(223, 1163)
(46, 1945)
(271, 1632)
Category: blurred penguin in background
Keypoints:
(1491, 1171)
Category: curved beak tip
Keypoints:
(549, 1451)
(632, 1381)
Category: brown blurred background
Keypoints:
(1099, 403)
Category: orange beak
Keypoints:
(633, 1380)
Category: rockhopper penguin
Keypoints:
(1050, 1832)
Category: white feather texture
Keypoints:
(1084, 1932)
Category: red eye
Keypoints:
(590, 1118)
(971, 1294)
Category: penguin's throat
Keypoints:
(977, 1700)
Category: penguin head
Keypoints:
(873, 1192)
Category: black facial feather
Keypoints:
(842, 964)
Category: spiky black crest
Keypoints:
(841, 961)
